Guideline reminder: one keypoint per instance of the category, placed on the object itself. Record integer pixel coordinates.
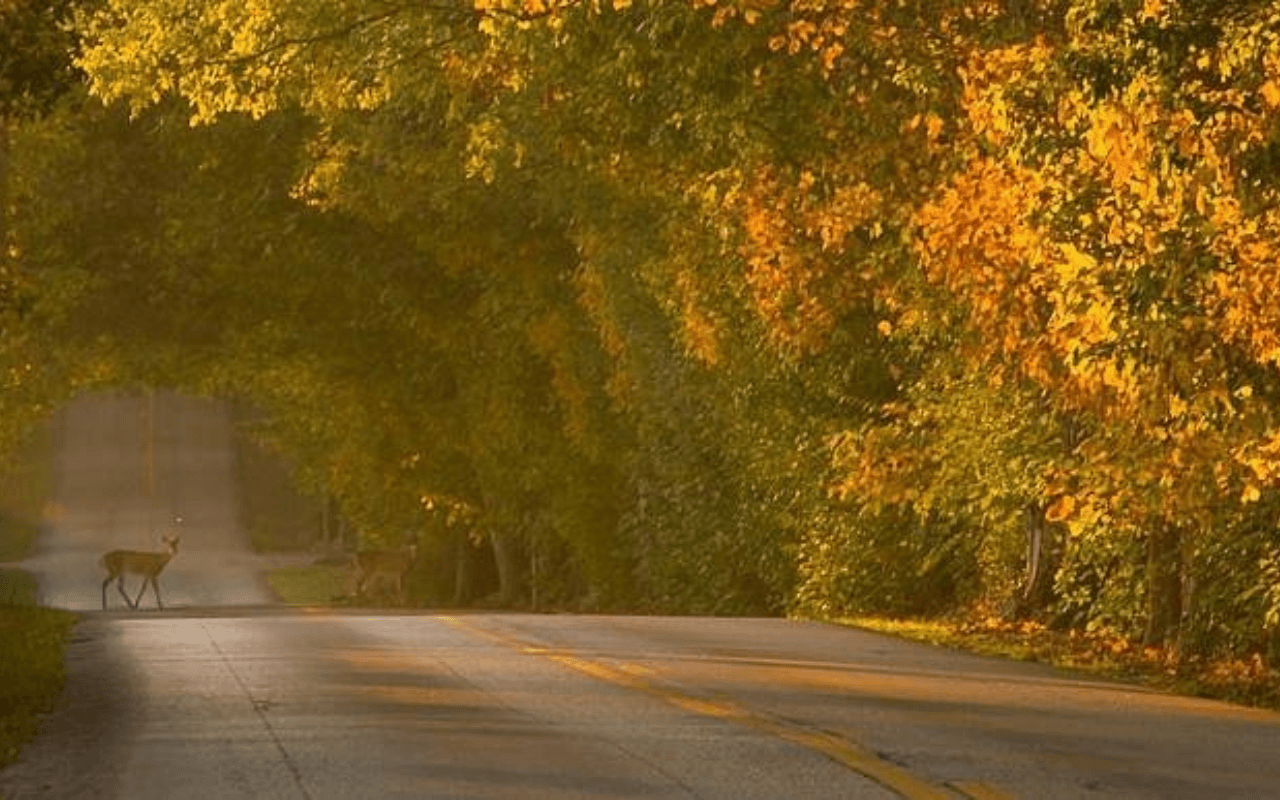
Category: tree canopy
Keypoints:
(735, 306)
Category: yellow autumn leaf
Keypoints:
(1251, 494)
(933, 126)
(1270, 93)
(1261, 467)
(1077, 261)
(1060, 509)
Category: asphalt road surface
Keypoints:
(221, 695)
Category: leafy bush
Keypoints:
(889, 564)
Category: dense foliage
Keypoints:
(735, 306)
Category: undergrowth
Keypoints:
(1250, 681)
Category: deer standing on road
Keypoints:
(396, 564)
(149, 565)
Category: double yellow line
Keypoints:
(839, 749)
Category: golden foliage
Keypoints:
(796, 242)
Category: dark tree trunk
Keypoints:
(463, 567)
(5, 275)
(1164, 584)
(506, 552)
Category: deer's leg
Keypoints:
(155, 587)
(104, 591)
(132, 604)
(141, 591)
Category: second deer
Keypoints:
(370, 565)
(148, 564)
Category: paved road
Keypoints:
(270, 703)
(221, 695)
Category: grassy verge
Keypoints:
(31, 671)
(1248, 681)
(17, 588)
(311, 585)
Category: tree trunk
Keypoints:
(506, 552)
(462, 566)
(1164, 584)
(5, 276)
(1041, 562)
(326, 539)
(1271, 645)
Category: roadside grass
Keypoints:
(32, 640)
(17, 588)
(312, 585)
(329, 583)
(1103, 654)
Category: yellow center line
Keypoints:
(975, 790)
(843, 751)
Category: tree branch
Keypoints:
(342, 31)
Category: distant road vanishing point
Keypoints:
(123, 467)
